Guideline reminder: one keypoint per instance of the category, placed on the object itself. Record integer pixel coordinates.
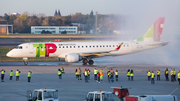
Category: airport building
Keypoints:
(5, 27)
(55, 29)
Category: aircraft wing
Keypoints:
(99, 53)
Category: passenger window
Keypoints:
(45, 47)
(59, 46)
(66, 46)
(93, 46)
(127, 45)
(86, 46)
(113, 45)
(124, 45)
(70, 46)
(37, 47)
(109, 45)
(100, 45)
(82, 46)
(63, 46)
(106, 45)
(117, 45)
(74, 47)
(90, 46)
(78, 46)
(96, 46)
(103, 46)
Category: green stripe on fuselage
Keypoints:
(40, 49)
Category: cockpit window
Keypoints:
(18, 47)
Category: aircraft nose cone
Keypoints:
(9, 54)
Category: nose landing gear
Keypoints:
(25, 61)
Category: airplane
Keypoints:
(86, 51)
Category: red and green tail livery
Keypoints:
(155, 31)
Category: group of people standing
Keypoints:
(130, 74)
(12, 74)
(173, 73)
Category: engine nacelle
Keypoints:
(72, 58)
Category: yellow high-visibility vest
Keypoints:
(158, 72)
(85, 73)
(132, 74)
(172, 72)
(2, 72)
(152, 75)
(11, 73)
(59, 72)
(95, 71)
(128, 73)
(17, 73)
(178, 75)
(29, 74)
(149, 74)
(116, 73)
(167, 72)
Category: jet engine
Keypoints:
(72, 58)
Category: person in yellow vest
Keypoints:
(2, 75)
(101, 74)
(172, 75)
(17, 75)
(76, 72)
(128, 74)
(95, 73)
(62, 70)
(152, 77)
(79, 74)
(149, 75)
(158, 75)
(166, 73)
(132, 75)
(116, 74)
(108, 73)
(59, 74)
(86, 75)
(179, 77)
(89, 72)
(11, 75)
(29, 76)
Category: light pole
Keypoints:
(96, 22)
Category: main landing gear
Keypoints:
(85, 61)
(25, 61)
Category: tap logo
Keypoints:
(45, 49)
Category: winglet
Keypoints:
(118, 47)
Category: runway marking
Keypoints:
(173, 91)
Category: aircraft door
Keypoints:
(31, 48)
(133, 46)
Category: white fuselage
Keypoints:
(61, 49)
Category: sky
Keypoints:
(67, 7)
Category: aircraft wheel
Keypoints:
(25, 63)
(91, 62)
(85, 61)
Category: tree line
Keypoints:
(106, 23)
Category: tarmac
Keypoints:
(71, 89)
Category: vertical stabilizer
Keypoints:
(155, 31)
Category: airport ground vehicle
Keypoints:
(43, 95)
(122, 94)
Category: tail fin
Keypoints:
(155, 31)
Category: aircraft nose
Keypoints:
(9, 54)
